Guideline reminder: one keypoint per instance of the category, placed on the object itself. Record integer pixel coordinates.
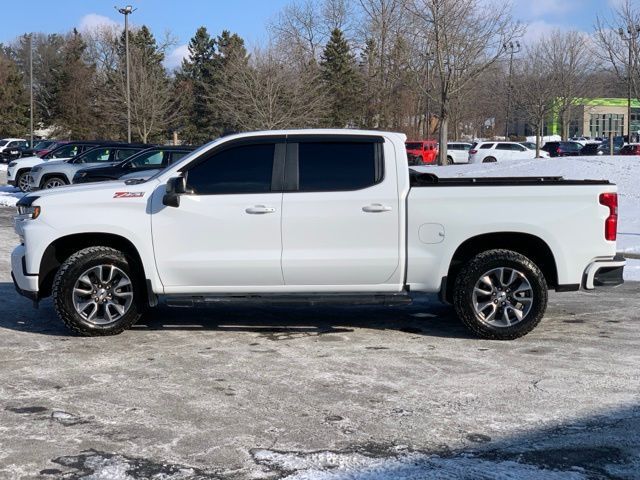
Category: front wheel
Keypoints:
(96, 292)
(22, 182)
(54, 182)
(500, 295)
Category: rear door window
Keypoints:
(486, 146)
(335, 166)
(503, 146)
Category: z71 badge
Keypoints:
(128, 194)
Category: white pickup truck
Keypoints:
(314, 215)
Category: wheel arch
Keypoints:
(62, 248)
(531, 246)
(47, 176)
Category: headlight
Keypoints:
(13, 164)
(26, 209)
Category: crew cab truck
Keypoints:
(314, 215)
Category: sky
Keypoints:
(248, 18)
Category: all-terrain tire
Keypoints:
(69, 273)
(477, 267)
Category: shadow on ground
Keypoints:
(426, 316)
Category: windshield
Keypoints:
(152, 158)
(414, 146)
(189, 157)
(43, 144)
(100, 154)
(65, 151)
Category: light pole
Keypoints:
(126, 11)
(512, 48)
(633, 31)
(31, 88)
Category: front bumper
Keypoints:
(604, 273)
(26, 284)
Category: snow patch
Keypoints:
(9, 196)
(415, 466)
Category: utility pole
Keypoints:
(633, 31)
(512, 49)
(126, 11)
(31, 88)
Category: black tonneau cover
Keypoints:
(424, 179)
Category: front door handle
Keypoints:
(259, 210)
(376, 208)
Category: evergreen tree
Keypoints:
(14, 106)
(342, 80)
(194, 79)
(75, 94)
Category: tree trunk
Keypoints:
(538, 136)
(442, 148)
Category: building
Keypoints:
(597, 117)
(591, 117)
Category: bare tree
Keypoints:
(614, 50)
(269, 93)
(466, 38)
(534, 89)
(570, 67)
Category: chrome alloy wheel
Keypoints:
(23, 183)
(502, 297)
(54, 183)
(103, 294)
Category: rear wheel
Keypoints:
(449, 160)
(22, 182)
(96, 292)
(54, 182)
(500, 295)
(489, 160)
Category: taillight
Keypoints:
(558, 150)
(473, 152)
(611, 223)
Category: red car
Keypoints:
(632, 149)
(422, 152)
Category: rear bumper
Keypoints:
(604, 273)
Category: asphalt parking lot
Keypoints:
(358, 393)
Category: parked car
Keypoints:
(488, 152)
(19, 169)
(590, 149)
(529, 145)
(562, 149)
(220, 226)
(458, 152)
(150, 160)
(9, 154)
(422, 152)
(60, 173)
(42, 147)
(13, 144)
(631, 149)
(605, 149)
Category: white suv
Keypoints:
(458, 152)
(488, 152)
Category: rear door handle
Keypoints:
(376, 208)
(259, 210)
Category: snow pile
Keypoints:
(621, 170)
(351, 466)
(9, 196)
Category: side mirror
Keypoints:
(175, 187)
